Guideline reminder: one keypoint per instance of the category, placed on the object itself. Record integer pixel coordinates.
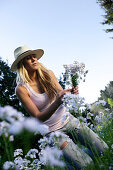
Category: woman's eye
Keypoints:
(34, 56)
(28, 57)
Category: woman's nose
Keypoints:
(33, 58)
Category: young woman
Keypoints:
(41, 95)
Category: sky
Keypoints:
(67, 31)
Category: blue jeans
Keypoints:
(76, 133)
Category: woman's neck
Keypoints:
(33, 76)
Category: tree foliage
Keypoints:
(62, 80)
(107, 5)
(7, 87)
(107, 94)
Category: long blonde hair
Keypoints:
(44, 78)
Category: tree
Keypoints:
(62, 80)
(7, 88)
(107, 94)
(107, 5)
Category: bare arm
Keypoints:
(32, 109)
(55, 81)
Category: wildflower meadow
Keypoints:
(24, 144)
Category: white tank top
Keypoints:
(60, 116)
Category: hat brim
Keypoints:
(38, 53)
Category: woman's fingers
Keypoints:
(63, 92)
(75, 90)
(68, 90)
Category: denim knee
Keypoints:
(75, 156)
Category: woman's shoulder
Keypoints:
(21, 89)
(51, 73)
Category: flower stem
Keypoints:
(74, 80)
(6, 148)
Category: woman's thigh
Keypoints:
(80, 133)
(90, 139)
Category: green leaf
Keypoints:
(110, 102)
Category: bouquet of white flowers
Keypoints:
(74, 73)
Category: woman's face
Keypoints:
(30, 62)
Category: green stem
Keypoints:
(11, 150)
(74, 80)
(6, 148)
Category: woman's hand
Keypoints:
(75, 90)
(61, 94)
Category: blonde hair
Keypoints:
(44, 78)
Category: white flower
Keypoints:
(16, 127)
(32, 124)
(32, 153)
(88, 106)
(112, 146)
(110, 168)
(8, 165)
(73, 102)
(65, 116)
(21, 163)
(76, 69)
(26, 163)
(110, 115)
(56, 134)
(10, 114)
(18, 152)
(35, 165)
(18, 161)
(107, 109)
(82, 119)
(4, 127)
(51, 141)
(89, 115)
(11, 138)
(97, 118)
(101, 102)
(51, 156)
(92, 126)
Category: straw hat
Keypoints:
(22, 52)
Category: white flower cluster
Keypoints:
(73, 102)
(28, 162)
(75, 67)
(100, 102)
(89, 115)
(51, 140)
(76, 105)
(49, 155)
(102, 119)
(8, 165)
(74, 73)
(18, 152)
(13, 122)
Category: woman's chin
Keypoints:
(32, 69)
